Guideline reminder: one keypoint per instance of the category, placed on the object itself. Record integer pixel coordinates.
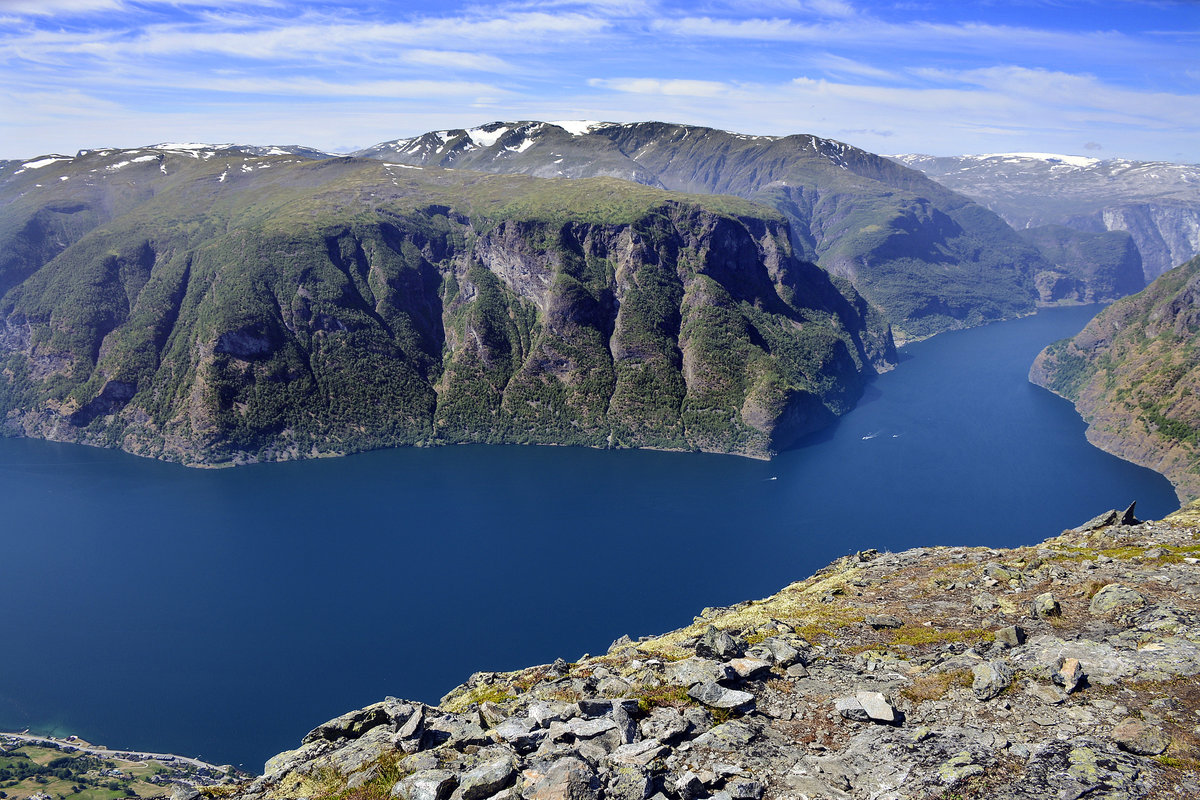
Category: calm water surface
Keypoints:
(224, 613)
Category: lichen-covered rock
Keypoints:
(990, 679)
(1135, 736)
(430, 784)
(496, 773)
(1115, 597)
(1044, 605)
(720, 645)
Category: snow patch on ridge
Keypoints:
(1074, 161)
(487, 138)
(43, 162)
(576, 127)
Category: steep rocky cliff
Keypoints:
(930, 259)
(1062, 670)
(1085, 267)
(215, 306)
(1134, 375)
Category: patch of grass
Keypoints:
(650, 697)
(937, 685)
(780, 685)
(918, 635)
(828, 622)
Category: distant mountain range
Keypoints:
(929, 259)
(644, 285)
(1156, 202)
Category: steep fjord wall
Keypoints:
(347, 304)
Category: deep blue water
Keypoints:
(224, 613)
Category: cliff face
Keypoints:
(230, 314)
(1085, 267)
(929, 259)
(1065, 669)
(1133, 374)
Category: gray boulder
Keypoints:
(1068, 673)
(1012, 636)
(349, 726)
(430, 784)
(1044, 605)
(851, 709)
(628, 782)
(720, 645)
(745, 790)
(666, 725)
(566, 778)
(877, 707)
(716, 696)
(496, 773)
(749, 667)
(688, 786)
(696, 670)
(990, 679)
(1135, 736)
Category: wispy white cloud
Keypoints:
(875, 34)
(657, 86)
(52, 8)
(821, 8)
(457, 60)
(842, 65)
(47, 8)
(314, 87)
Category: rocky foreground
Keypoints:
(1062, 670)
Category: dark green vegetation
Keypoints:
(216, 306)
(1085, 267)
(929, 259)
(1134, 375)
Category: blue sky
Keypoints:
(1105, 78)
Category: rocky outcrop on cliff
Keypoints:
(229, 308)
(1065, 669)
(1085, 267)
(1134, 376)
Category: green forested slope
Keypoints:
(218, 307)
(1134, 375)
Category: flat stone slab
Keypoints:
(717, 696)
